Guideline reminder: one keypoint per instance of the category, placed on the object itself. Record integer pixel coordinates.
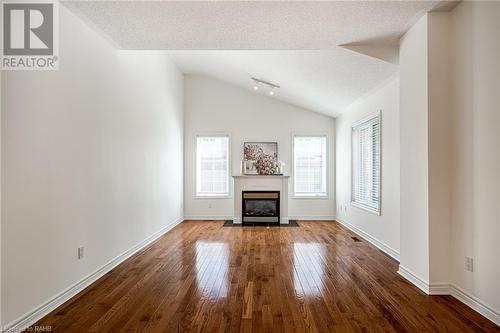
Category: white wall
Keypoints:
(92, 155)
(425, 230)
(438, 131)
(213, 106)
(414, 150)
(1, 112)
(383, 229)
(475, 152)
(450, 156)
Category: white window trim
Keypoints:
(369, 209)
(325, 196)
(229, 195)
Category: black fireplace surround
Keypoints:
(260, 207)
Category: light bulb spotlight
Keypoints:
(268, 86)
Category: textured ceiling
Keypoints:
(251, 25)
(314, 72)
(322, 81)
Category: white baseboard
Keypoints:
(224, 217)
(439, 288)
(208, 217)
(375, 242)
(416, 280)
(436, 288)
(444, 288)
(312, 217)
(42, 310)
(476, 304)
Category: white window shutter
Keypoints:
(366, 159)
(310, 166)
(212, 165)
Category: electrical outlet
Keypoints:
(469, 264)
(80, 253)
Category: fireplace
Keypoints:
(260, 207)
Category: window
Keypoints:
(366, 164)
(212, 166)
(309, 166)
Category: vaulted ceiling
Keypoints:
(324, 54)
(323, 81)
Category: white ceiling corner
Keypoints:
(389, 53)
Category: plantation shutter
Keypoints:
(212, 165)
(366, 164)
(310, 165)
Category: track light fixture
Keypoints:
(270, 86)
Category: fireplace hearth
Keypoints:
(260, 207)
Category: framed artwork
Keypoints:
(260, 157)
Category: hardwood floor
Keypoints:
(202, 277)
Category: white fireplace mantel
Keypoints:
(261, 183)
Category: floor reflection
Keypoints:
(309, 268)
(212, 268)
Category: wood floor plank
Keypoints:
(203, 277)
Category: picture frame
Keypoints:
(253, 150)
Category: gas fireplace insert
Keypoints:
(261, 207)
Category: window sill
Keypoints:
(314, 197)
(366, 208)
(222, 196)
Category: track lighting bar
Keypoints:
(267, 83)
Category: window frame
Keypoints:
(354, 126)
(324, 196)
(227, 195)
